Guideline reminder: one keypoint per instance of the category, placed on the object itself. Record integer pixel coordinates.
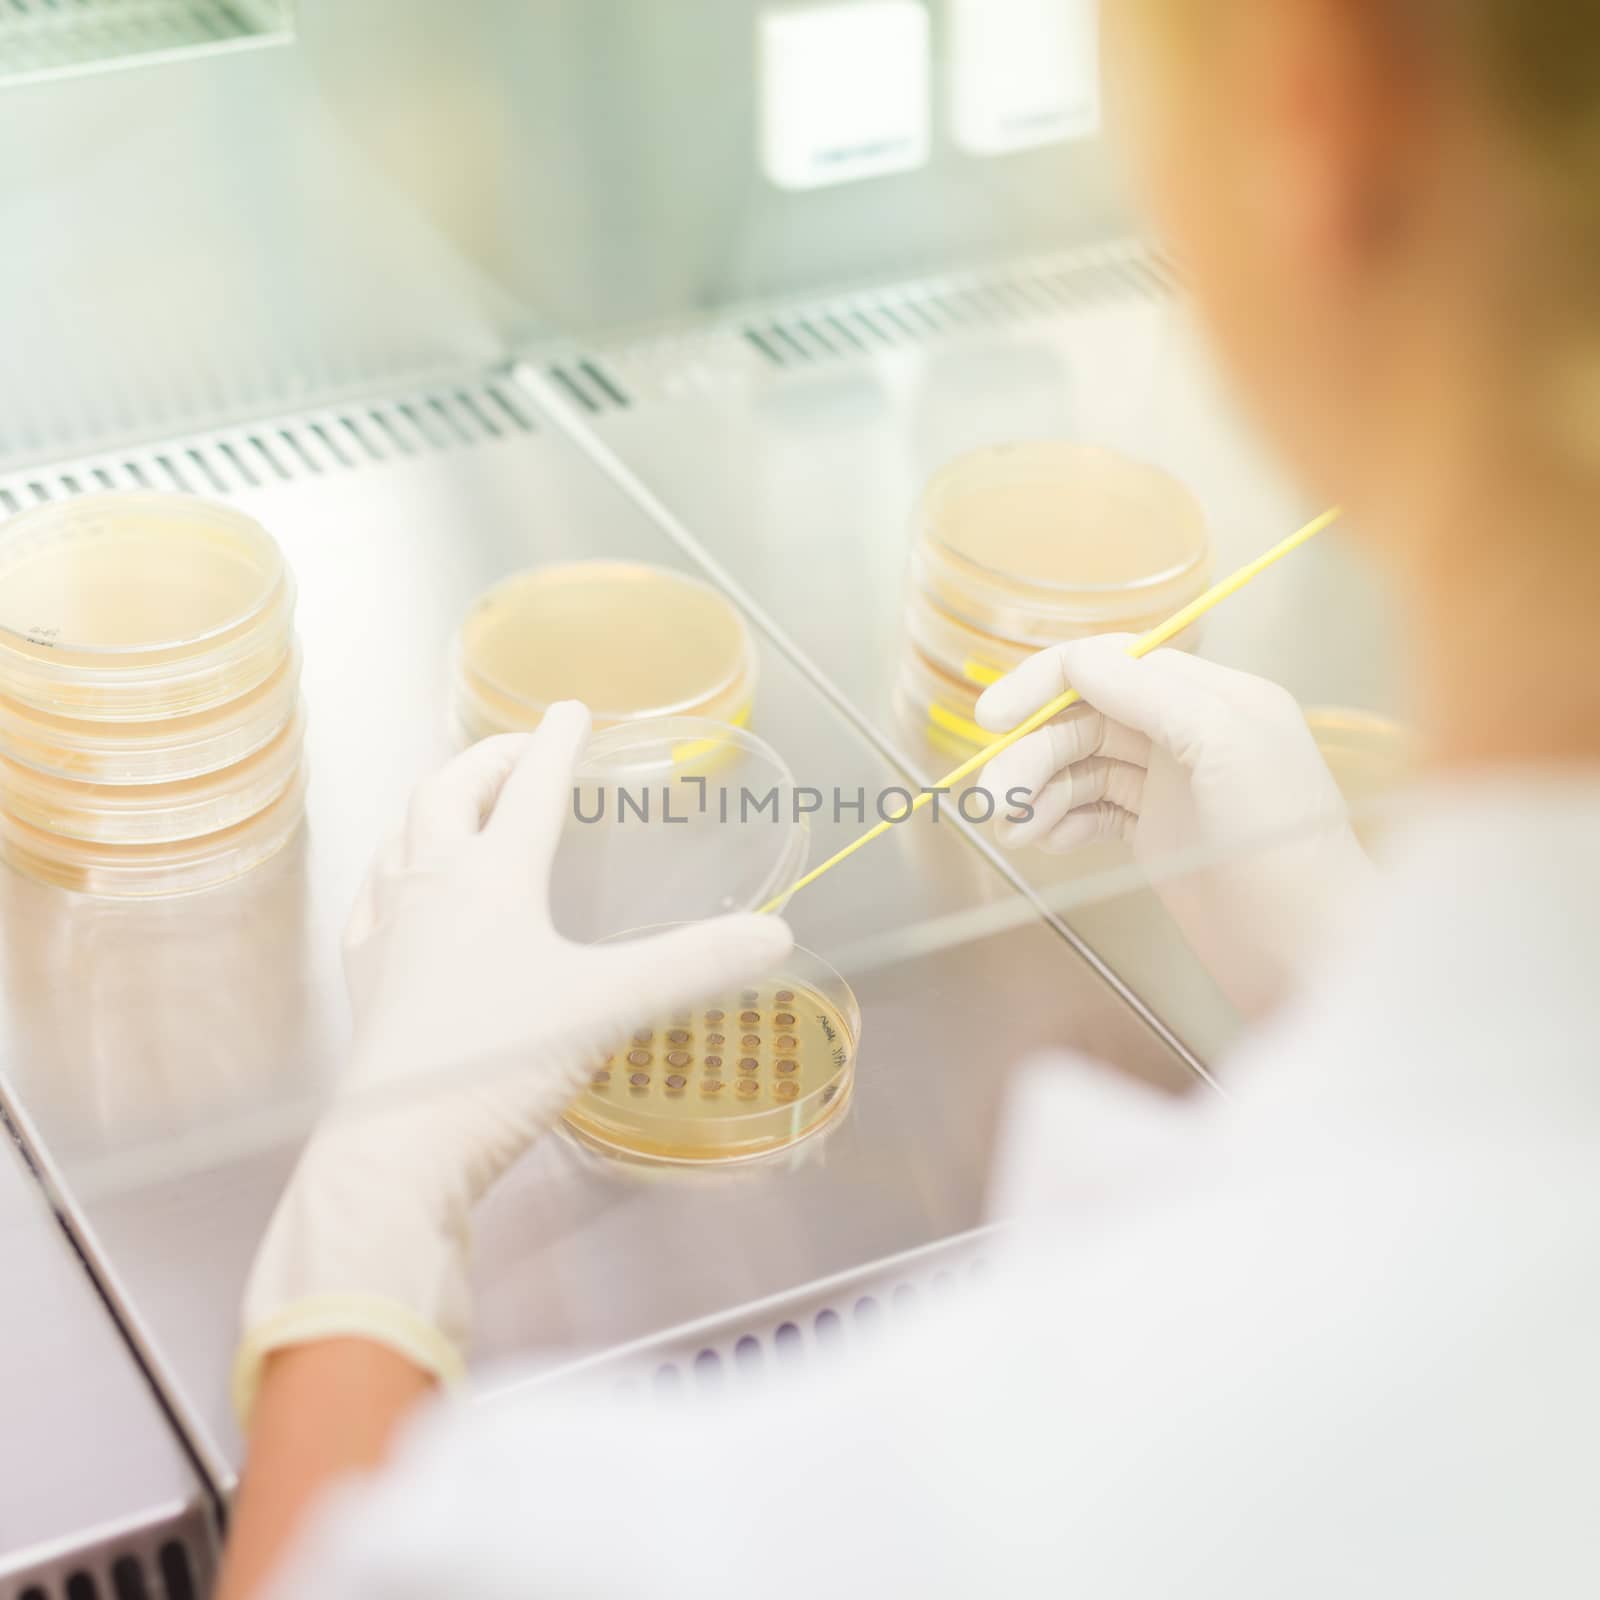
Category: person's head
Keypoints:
(1389, 212)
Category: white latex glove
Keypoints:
(1178, 755)
(476, 1024)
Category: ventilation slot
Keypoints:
(805, 1338)
(845, 332)
(332, 442)
(1112, 275)
(921, 313)
(45, 37)
(590, 386)
(164, 1572)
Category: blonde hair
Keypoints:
(1539, 61)
(1535, 65)
(1542, 59)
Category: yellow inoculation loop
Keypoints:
(1164, 633)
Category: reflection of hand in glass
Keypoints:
(1177, 755)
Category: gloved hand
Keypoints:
(476, 1024)
(1180, 755)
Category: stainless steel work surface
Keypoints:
(152, 1049)
(793, 444)
(95, 1474)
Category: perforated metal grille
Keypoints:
(922, 312)
(797, 338)
(156, 1568)
(810, 1334)
(45, 37)
(798, 1333)
(588, 383)
(344, 439)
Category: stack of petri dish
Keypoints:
(673, 821)
(151, 724)
(1372, 758)
(1019, 547)
(631, 641)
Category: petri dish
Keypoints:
(154, 813)
(946, 665)
(957, 649)
(152, 752)
(143, 871)
(939, 703)
(135, 607)
(1040, 542)
(732, 1079)
(1372, 758)
(912, 720)
(631, 641)
(674, 820)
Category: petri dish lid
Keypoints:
(142, 871)
(162, 751)
(1370, 755)
(675, 820)
(629, 640)
(134, 597)
(1372, 758)
(956, 647)
(153, 813)
(916, 720)
(947, 704)
(1015, 536)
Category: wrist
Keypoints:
(351, 1252)
(342, 1318)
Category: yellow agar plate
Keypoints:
(630, 641)
(749, 1074)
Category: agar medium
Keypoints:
(151, 729)
(138, 607)
(155, 813)
(1019, 547)
(152, 871)
(162, 751)
(631, 641)
(1037, 543)
(741, 1076)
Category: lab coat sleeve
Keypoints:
(593, 1496)
(1078, 1139)
(787, 1488)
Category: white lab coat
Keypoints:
(1338, 1335)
